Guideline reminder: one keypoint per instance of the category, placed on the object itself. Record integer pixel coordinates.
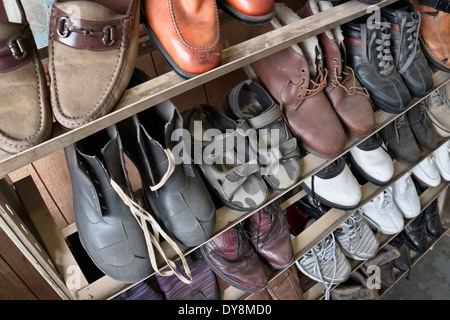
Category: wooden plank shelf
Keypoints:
(169, 85)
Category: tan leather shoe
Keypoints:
(349, 99)
(249, 11)
(186, 33)
(435, 35)
(92, 54)
(298, 84)
(25, 116)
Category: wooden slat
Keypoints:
(170, 85)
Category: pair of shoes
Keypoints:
(409, 133)
(26, 112)
(416, 234)
(240, 158)
(239, 255)
(382, 214)
(297, 78)
(384, 50)
(355, 288)
(108, 215)
(250, 104)
(327, 262)
(286, 286)
(204, 285)
(434, 168)
(438, 110)
(434, 36)
(334, 186)
(371, 160)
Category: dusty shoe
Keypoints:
(349, 99)
(26, 118)
(355, 288)
(248, 11)
(90, 40)
(186, 33)
(295, 78)
(278, 153)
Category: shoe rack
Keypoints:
(58, 270)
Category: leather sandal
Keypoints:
(92, 53)
(25, 119)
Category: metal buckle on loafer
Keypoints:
(109, 35)
(17, 48)
(63, 28)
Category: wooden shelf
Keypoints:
(169, 85)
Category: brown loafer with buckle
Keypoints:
(186, 34)
(25, 117)
(92, 54)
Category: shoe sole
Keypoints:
(243, 18)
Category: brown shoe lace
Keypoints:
(398, 124)
(310, 87)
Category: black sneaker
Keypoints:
(405, 46)
(369, 54)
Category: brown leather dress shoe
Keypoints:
(298, 86)
(233, 259)
(435, 35)
(186, 33)
(92, 54)
(25, 116)
(269, 234)
(349, 99)
(249, 11)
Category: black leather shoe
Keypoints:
(369, 55)
(405, 46)
(433, 220)
(422, 127)
(416, 234)
(178, 198)
(400, 141)
(107, 229)
(403, 262)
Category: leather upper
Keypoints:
(187, 32)
(252, 8)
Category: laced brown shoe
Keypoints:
(295, 79)
(349, 99)
(25, 117)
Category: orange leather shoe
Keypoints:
(186, 33)
(249, 12)
(435, 35)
